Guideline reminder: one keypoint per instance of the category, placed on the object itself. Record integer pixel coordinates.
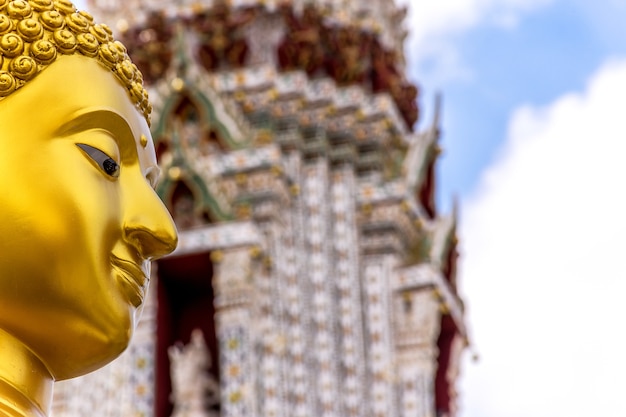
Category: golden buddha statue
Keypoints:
(80, 218)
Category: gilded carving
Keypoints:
(34, 32)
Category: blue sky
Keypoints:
(547, 52)
(534, 132)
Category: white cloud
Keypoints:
(433, 25)
(543, 270)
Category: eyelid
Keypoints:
(104, 161)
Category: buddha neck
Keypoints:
(25, 383)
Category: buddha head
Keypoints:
(80, 218)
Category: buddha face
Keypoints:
(80, 218)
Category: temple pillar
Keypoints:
(423, 300)
(381, 382)
(385, 228)
(317, 233)
(296, 291)
(417, 319)
(271, 215)
(347, 280)
(236, 316)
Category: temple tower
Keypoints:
(312, 256)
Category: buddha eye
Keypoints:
(104, 161)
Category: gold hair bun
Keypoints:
(33, 33)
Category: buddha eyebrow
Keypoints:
(97, 119)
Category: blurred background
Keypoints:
(533, 131)
(534, 145)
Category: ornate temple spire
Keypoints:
(381, 16)
(353, 43)
(304, 193)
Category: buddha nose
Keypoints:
(149, 226)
